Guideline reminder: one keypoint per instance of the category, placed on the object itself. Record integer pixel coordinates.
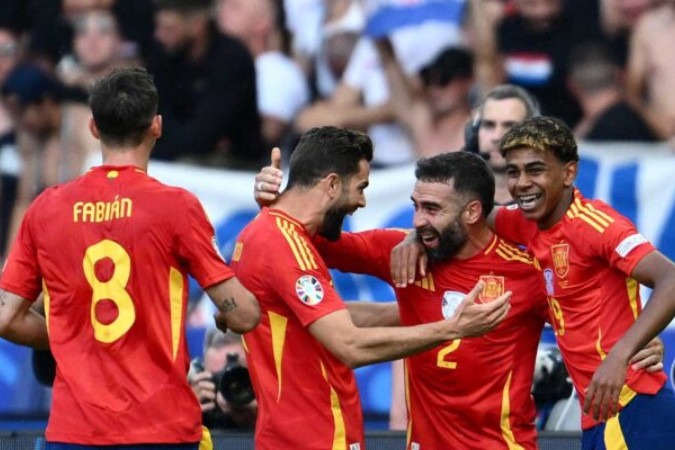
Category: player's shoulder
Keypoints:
(591, 216)
(507, 253)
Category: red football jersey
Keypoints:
(586, 261)
(111, 251)
(471, 393)
(306, 397)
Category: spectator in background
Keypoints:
(607, 116)
(361, 98)
(618, 19)
(51, 134)
(651, 69)
(501, 108)
(97, 49)
(534, 45)
(282, 88)
(341, 31)
(436, 117)
(10, 162)
(206, 81)
(217, 413)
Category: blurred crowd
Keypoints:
(237, 77)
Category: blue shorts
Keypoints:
(62, 446)
(646, 423)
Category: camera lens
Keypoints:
(235, 383)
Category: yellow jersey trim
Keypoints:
(278, 325)
(505, 422)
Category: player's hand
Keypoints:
(268, 181)
(406, 258)
(649, 358)
(476, 319)
(602, 395)
(203, 387)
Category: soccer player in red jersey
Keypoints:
(592, 261)
(111, 252)
(466, 393)
(302, 354)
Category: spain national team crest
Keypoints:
(309, 290)
(560, 254)
(493, 287)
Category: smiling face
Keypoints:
(538, 181)
(437, 219)
(351, 198)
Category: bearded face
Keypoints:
(447, 241)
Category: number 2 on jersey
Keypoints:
(445, 351)
(113, 289)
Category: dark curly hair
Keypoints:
(542, 133)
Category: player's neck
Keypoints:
(126, 157)
(303, 207)
(479, 237)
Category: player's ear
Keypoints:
(333, 183)
(472, 213)
(92, 128)
(156, 126)
(571, 170)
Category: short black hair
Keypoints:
(542, 133)
(451, 63)
(325, 150)
(123, 104)
(469, 173)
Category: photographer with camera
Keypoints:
(221, 383)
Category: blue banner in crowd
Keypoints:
(636, 179)
(385, 16)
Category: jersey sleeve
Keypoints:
(513, 226)
(301, 282)
(21, 275)
(367, 252)
(197, 245)
(621, 245)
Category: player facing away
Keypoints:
(302, 354)
(466, 393)
(592, 261)
(112, 257)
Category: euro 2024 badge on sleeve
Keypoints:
(309, 290)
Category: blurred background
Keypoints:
(237, 77)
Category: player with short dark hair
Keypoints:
(111, 252)
(301, 355)
(481, 385)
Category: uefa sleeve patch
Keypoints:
(309, 290)
(512, 206)
(627, 245)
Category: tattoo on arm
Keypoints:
(227, 305)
